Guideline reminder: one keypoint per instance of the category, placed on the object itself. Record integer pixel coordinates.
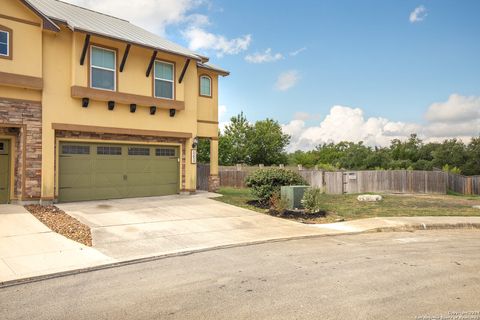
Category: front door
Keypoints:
(4, 171)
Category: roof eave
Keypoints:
(48, 24)
(223, 73)
(197, 58)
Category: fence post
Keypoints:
(300, 167)
(281, 166)
(260, 165)
(239, 166)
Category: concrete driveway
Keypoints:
(141, 227)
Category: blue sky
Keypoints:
(390, 67)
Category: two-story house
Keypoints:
(94, 107)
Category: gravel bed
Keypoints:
(61, 223)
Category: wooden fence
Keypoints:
(462, 184)
(390, 181)
(382, 181)
(203, 171)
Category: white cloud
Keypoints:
(266, 56)
(153, 15)
(458, 117)
(305, 116)
(456, 109)
(418, 14)
(222, 111)
(200, 39)
(157, 15)
(298, 51)
(287, 80)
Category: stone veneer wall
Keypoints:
(131, 138)
(23, 119)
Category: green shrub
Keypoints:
(447, 168)
(264, 182)
(312, 200)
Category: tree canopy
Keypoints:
(263, 142)
(414, 154)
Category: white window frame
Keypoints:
(167, 80)
(200, 87)
(102, 68)
(8, 44)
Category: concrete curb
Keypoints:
(405, 228)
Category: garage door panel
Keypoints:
(106, 171)
(165, 189)
(76, 165)
(137, 165)
(110, 165)
(108, 192)
(76, 172)
(169, 178)
(77, 194)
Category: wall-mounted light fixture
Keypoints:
(85, 102)
(111, 105)
(133, 107)
(153, 109)
(172, 112)
(195, 142)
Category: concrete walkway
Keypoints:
(28, 248)
(131, 229)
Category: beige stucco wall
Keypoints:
(26, 40)
(55, 56)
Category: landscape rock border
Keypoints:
(60, 222)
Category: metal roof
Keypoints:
(212, 67)
(85, 20)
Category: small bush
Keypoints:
(264, 182)
(447, 168)
(312, 200)
(278, 204)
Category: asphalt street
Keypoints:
(393, 275)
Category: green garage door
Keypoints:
(111, 171)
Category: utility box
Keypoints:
(293, 196)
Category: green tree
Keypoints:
(225, 151)
(472, 164)
(406, 150)
(267, 143)
(234, 145)
(452, 152)
(203, 151)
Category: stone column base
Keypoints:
(213, 183)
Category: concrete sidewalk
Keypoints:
(28, 248)
(400, 224)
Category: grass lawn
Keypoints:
(393, 205)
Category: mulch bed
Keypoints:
(61, 223)
(297, 215)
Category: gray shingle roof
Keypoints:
(81, 19)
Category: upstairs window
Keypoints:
(5, 42)
(205, 86)
(102, 68)
(164, 80)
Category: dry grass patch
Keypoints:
(60, 222)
